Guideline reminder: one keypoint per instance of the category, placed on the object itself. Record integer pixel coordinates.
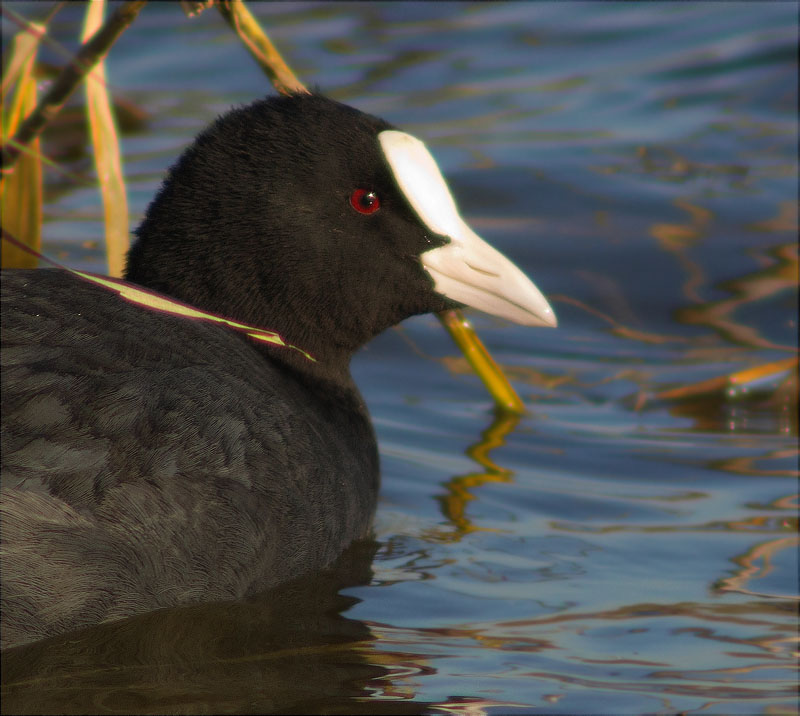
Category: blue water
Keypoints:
(610, 552)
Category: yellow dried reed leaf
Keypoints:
(105, 142)
(21, 189)
(481, 360)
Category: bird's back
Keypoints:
(162, 462)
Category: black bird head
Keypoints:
(309, 217)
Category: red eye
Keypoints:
(365, 202)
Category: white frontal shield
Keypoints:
(466, 269)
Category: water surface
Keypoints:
(607, 553)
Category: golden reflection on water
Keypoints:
(746, 464)
(756, 563)
(757, 286)
(677, 238)
(703, 621)
(776, 274)
(731, 338)
(459, 489)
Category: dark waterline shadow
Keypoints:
(287, 651)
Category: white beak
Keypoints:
(466, 269)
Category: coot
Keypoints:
(150, 460)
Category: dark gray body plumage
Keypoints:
(167, 466)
